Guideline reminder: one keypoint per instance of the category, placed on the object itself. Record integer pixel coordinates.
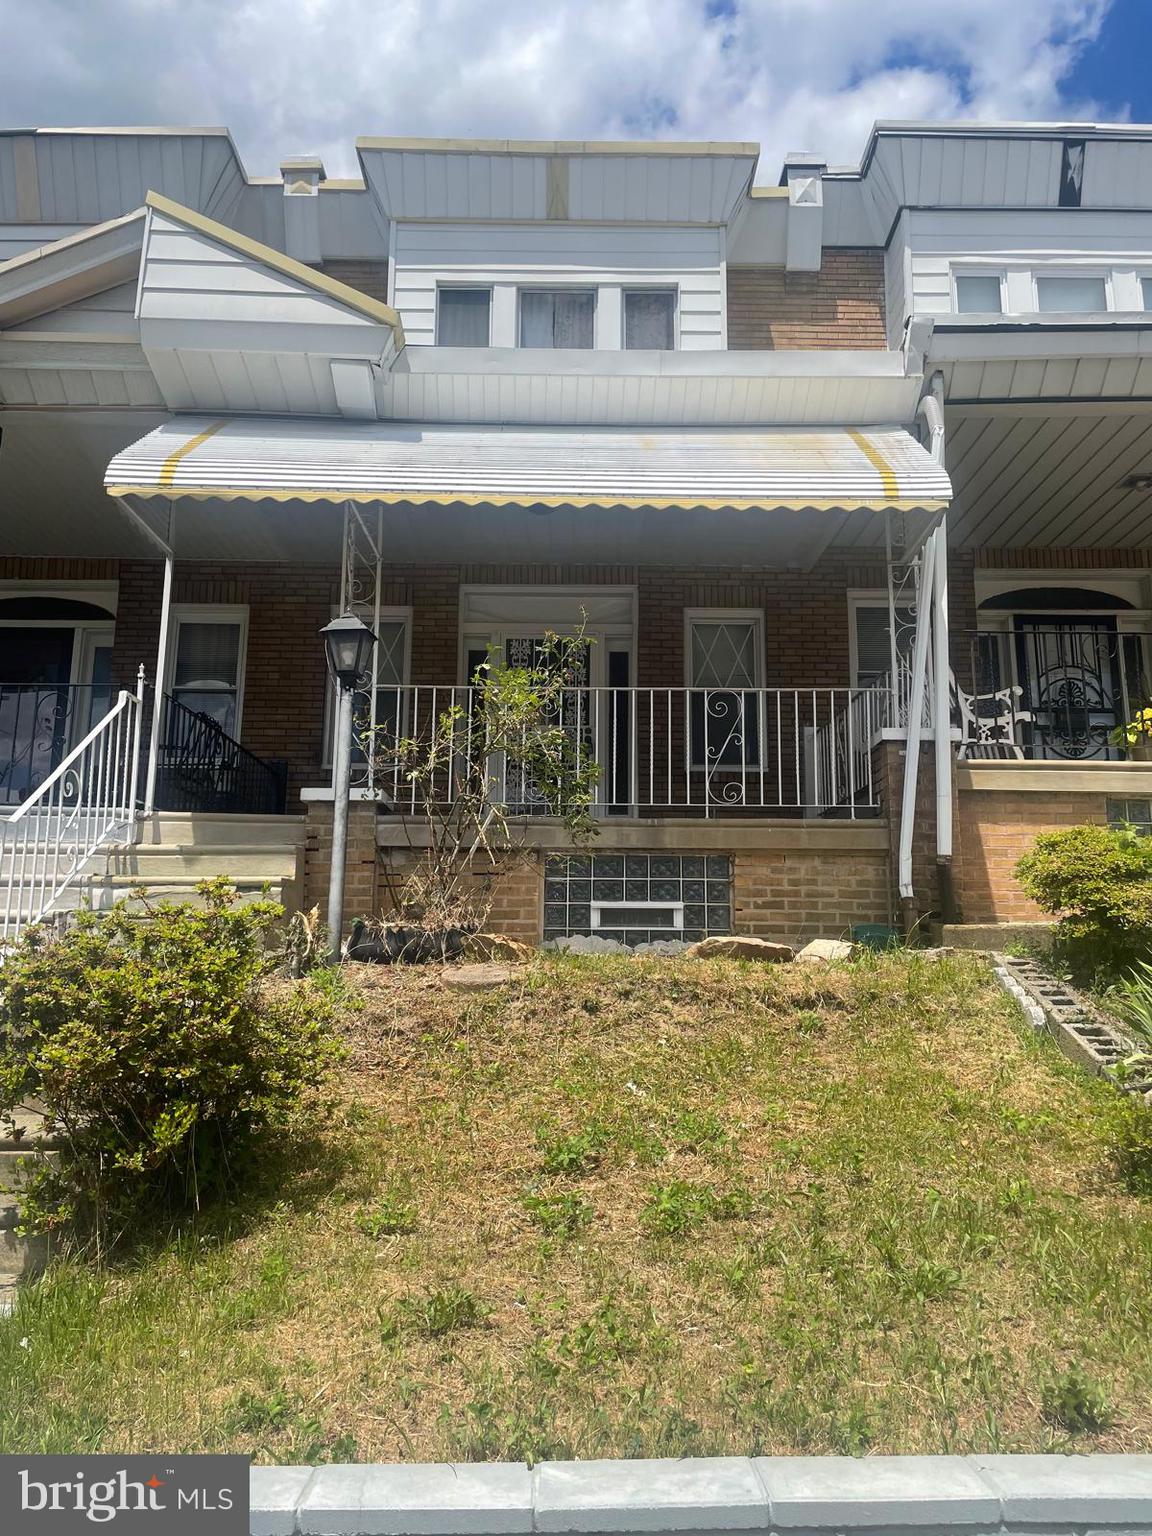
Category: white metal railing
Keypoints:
(684, 751)
(87, 802)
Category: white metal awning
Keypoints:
(296, 459)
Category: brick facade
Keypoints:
(370, 277)
(995, 828)
(840, 306)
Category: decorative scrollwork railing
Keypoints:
(201, 768)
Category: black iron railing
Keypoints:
(40, 723)
(201, 768)
(1053, 688)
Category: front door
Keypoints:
(1071, 675)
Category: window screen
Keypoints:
(978, 295)
(560, 318)
(1071, 295)
(463, 319)
(649, 319)
(206, 672)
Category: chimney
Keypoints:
(803, 176)
(302, 175)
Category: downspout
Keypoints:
(932, 409)
(912, 738)
(932, 609)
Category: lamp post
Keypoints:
(348, 643)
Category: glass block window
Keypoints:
(1136, 814)
(649, 885)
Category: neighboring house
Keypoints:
(793, 455)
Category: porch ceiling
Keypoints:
(1049, 477)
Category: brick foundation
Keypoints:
(800, 895)
(362, 871)
(995, 829)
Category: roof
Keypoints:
(289, 459)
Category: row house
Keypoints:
(847, 480)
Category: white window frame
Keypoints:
(1066, 270)
(755, 617)
(401, 614)
(670, 288)
(465, 287)
(546, 287)
(961, 269)
(211, 613)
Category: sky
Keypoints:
(309, 76)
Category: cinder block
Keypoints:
(447, 1500)
(1071, 1490)
(274, 1493)
(705, 1494)
(845, 1492)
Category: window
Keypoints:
(1136, 814)
(978, 295)
(725, 653)
(208, 663)
(1071, 295)
(1146, 292)
(649, 320)
(561, 317)
(873, 650)
(463, 318)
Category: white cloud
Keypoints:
(295, 75)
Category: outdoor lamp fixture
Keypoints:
(348, 643)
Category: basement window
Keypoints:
(1136, 814)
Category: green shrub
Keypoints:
(1128, 1141)
(1098, 882)
(159, 1055)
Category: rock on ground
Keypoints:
(476, 978)
(825, 950)
(740, 947)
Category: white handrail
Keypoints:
(87, 801)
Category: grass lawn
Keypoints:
(636, 1207)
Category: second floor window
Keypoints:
(561, 317)
(1071, 295)
(978, 294)
(463, 317)
(649, 320)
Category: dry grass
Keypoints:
(638, 1208)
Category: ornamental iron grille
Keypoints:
(724, 724)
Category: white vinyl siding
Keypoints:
(931, 248)
(611, 259)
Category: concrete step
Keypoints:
(213, 830)
(203, 861)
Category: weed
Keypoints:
(439, 1312)
(698, 1130)
(559, 1215)
(1073, 1402)
(574, 1153)
(389, 1217)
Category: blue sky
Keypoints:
(293, 76)
(1115, 69)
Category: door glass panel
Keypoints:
(35, 667)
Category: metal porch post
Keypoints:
(161, 673)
